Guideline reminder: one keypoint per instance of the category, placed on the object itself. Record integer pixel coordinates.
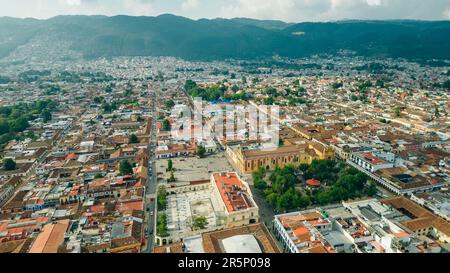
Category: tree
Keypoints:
(128, 93)
(258, 179)
(9, 164)
(201, 151)
(337, 85)
(372, 189)
(166, 125)
(270, 91)
(436, 112)
(20, 124)
(98, 175)
(190, 84)
(301, 89)
(98, 100)
(304, 201)
(379, 83)
(4, 127)
(303, 167)
(162, 198)
(46, 116)
(339, 181)
(172, 177)
(323, 198)
(126, 168)
(446, 85)
(133, 139)
(268, 101)
(169, 104)
(397, 111)
(30, 135)
(161, 225)
(107, 108)
(259, 173)
(170, 165)
(291, 200)
(110, 207)
(271, 198)
(260, 184)
(200, 223)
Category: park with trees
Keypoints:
(209, 93)
(285, 190)
(161, 225)
(161, 222)
(162, 198)
(215, 92)
(14, 120)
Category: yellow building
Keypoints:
(247, 161)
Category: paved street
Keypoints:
(150, 202)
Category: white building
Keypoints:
(373, 161)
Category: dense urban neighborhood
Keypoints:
(102, 155)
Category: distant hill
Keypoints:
(408, 39)
(267, 24)
(169, 35)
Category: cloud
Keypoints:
(288, 10)
(326, 10)
(374, 2)
(138, 7)
(189, 4)
(73, 2)
(260, 9)
(447, 14)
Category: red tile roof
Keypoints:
(232, 191)
(313, 182)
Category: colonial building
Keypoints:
(247, 161)
(238, 205)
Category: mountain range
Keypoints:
(239, 38)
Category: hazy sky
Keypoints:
(287, 10)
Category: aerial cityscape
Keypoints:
(163, 134)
